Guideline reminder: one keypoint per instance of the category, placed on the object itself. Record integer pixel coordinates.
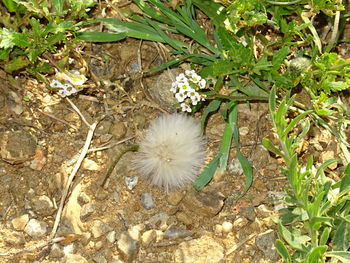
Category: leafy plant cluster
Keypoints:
(249, 47)
(316, 223)
(30, 29)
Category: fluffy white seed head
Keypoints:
(172, 151)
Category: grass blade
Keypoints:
(100, 36)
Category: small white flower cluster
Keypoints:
(186, 87)
(68, 83)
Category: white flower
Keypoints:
(190, 73)
(333, 195)
(202, 83)
(195, 99)
(56, 84)
(181, 78)
(184, 86)
(180, 96)
(195, 78)
(174, 87)
(203, 97)
(185, 107)
(172, 151)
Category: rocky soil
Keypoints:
(127, 219)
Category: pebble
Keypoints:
(99, 228)
(202, 250)
(17, 146)
(128, 247)
(86, 211)
(227, 227)
(99, 258)
(207, 203)
(91, 165)
(266, 243)
(14, 238)
(235, 167)
(184, 218)
(148, 237)
(174, 198)
(158, 221)
(118, 130)
(218, 229)
(101, 194)
(111, 236)
(56, 251)
(20, 222)
(83, 198)
(240, 222)
(249, 213)
(176, 233)
(36, 228)
(131, 181)
(74, 258)
(147, 201)
(43, 205)
(135, 232)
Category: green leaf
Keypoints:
(58, 5)
(345, 181)
(205, 177)
(16, 64)
(215, 11)
(316, 254)
(226, 140)
(271, 147)
(212, 106)
(100, 36)
(325, 236)
(340, 255)
(341, 236)
(246, 166)
(131, 29)
(10, 5)
(295, 240)
(283, 251)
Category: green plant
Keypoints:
(31, 29)
(315, 224)
(228, 56)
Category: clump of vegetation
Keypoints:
(248, 50)
(32, 29)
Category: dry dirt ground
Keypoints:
(40, 141)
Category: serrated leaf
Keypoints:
(16, 64)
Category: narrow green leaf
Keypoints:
(58, 5)
(283, 251)
(205, 177)
(246, 166)
(343, 256)
(341, 237)
(295, 121)
(345, 181)
(100, 36)
(212, 106)
(325, 236)
(271, 147)
(325, 165)
(316, 254)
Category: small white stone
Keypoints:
(35, 228)
(227, 227)
(148, 237)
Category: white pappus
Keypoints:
(172, 151)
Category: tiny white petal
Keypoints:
(180, 96)
(190, 73)
(202, 83)
(181, 78)
(185, 107)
